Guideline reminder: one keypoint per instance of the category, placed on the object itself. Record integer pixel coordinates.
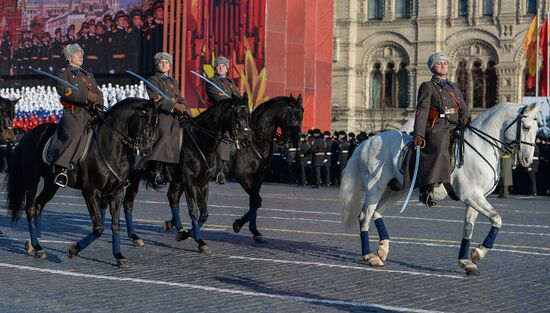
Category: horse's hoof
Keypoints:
(478, 254)
(73, 251)
(28, 247)
(138, 243)
(122, 263)
(167, 226)
(203, 247)
(373, 260)
(259, 239)
(236, 226)
(383, 249)
(469, 266)
(182, 235)
(40, 254)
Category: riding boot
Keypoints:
(155, 174)
(61, 179)
(427, 194)
(220, 178)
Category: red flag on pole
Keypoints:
(530, 46)
(543, 44)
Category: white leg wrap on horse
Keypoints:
(383, 249)
(373, 260)
(479, 253)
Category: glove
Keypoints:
(465, 120)
(91, 97)
(418, 141)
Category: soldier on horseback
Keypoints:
(78, 106)
(167, 147)
(440, 107)
(221, 65)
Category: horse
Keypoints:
(374, 167)
(7, 114)
(248, 166)
(127, 128)
(195, 169)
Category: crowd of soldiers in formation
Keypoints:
(111, 44)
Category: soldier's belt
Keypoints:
(344, 151)
(119, 56)
(56, 56)
(329, 153)
(319, 154)
(277, 154)
(34, 58)
(92, 57)
(292, 149)
(44, 58)
(302, 155)
(26, 59)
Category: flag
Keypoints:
(530, 47)
(543, 44)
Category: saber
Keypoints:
(211, 83)
(59, 80)
(148, 83)
(413, 181)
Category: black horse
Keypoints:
(127, 129)
(248, 165)
(7, 114)
(196, 168)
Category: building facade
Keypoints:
(381, 48)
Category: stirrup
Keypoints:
(220, 178)
(159, 179)
(61, 179)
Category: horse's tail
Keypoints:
(16, 184)
(351, 188)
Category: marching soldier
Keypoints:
(327, 162)
(343, 155)
(352, 143)
(290, 156)
(318, 153)
(221, 65)
(119, 44)
(167, 148)
(5, 54)
(56, 48)
(78, 105)
(304, 156)
(440, 106)
(34, 52)
(506, 175)
(101, 47)
(70, 38)
(92, 48)
(44, 52)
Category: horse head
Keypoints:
(521, 133)
(237, 122)
(7, 114)
(291, 124)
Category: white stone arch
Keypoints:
(383, 53)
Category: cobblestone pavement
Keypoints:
(311, 262)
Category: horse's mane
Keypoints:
(487, 115)
(260, 109)
(206, 113)
(126, 104)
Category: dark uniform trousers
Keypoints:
(343, 156)
(439, 107)
(318, 154)
(215, 96)
(69, 141)
(168, 132)
(304, 156)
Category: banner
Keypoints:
(530, 46)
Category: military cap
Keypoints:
(157, 5)
(310, 132)
(69, 50)
(326, 133)
(162, 56)
(107, 17)
(316, 131)
(351, 135)
(136, 12)
(91, 22)
(58, 30)
(436, 57)
(221, 60)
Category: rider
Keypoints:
(221, 80)
(167, 146)
(78, 107)
(440, 106)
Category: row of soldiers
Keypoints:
(318, 160)
(111, 45)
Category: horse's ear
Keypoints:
(291, 97)
(15, 101)
(533, 108)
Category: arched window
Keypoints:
(403, 84)
(462, 7)
(375, 86)
(488, 7)
(376, 9)
(462, 79)
(491, 85)
(478, 85)
(532, 6)
(390, 86)
(403, 8)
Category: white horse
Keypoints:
(373, 167)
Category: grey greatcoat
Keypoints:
(439, 103)
(214, 95)
(168, 133)
(69, 141)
